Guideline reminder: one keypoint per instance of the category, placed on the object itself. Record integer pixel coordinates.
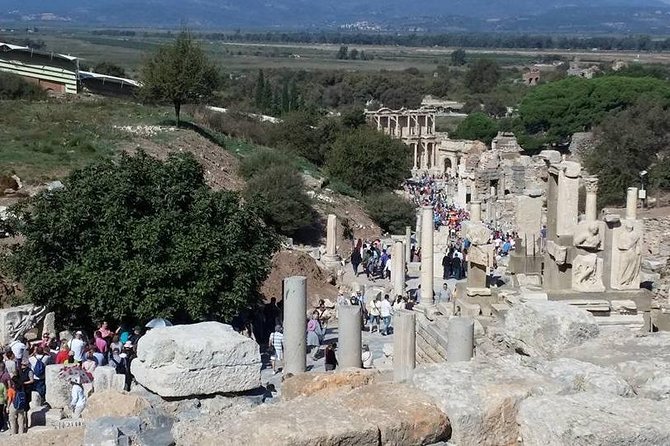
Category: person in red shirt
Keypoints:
(63, 354)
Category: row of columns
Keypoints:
(428, 154)
(414, 125)
(349, 330)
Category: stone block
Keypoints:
(368, 416)
(106, 378)
(197, 359)
(481, 397)
(623, 306)
(111, 403)
(587, 419)
(527, 294)
(59, 390)
(546, 328)
(324, 384)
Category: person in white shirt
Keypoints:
(366, 357)
(399, 303)
(18, 348)
(78, 402)
(385, 311)
(77, 346)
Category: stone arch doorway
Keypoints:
(447, 165)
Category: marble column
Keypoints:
(331, 241)
(475, 211)
(415, 156)
(295, 324)
(461, 339)
(591, 205)
(398, 273)
(418, 229)
(427, 260)
(408, 244)
(631, 203)
(349, 337)
(404, 345)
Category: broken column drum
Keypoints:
(461, 339)
(349, 339)
(295, 324)
(331, 240)
(404, 345)
(427, 255)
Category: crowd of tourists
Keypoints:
(23, 369)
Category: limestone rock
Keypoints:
(106, 378)
(638, 359)
(110, 403)
(579, 376)
(539, 328)
(481, 397)
(52, 437)
(197, 359)
(657, 388)
(323, 384)
(593, 419)
(371, 415)
(59, 390)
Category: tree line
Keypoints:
(467, 40)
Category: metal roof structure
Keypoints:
(10, 47)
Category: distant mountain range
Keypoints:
(566, 16)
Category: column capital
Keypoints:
(591, 184)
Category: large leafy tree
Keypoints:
(391, 211)
(482, 76)
(279, 193)
(476, 126)
(631, 141)
(558, 109)
(139, 238)
(369, 161)
(179, 73)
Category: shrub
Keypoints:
(477, 126)
(391, 211)
(279, 194)
(369, 161)
(262, 160)
(15, 87)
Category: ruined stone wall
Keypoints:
(656, 256)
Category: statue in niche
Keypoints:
(630, 252)
(588, 236)
(587, 273)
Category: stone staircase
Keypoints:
(431, 338)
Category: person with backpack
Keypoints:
(38, 363)
(17, 404)
(27, 380)
(78, 401)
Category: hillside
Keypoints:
(433, 15)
